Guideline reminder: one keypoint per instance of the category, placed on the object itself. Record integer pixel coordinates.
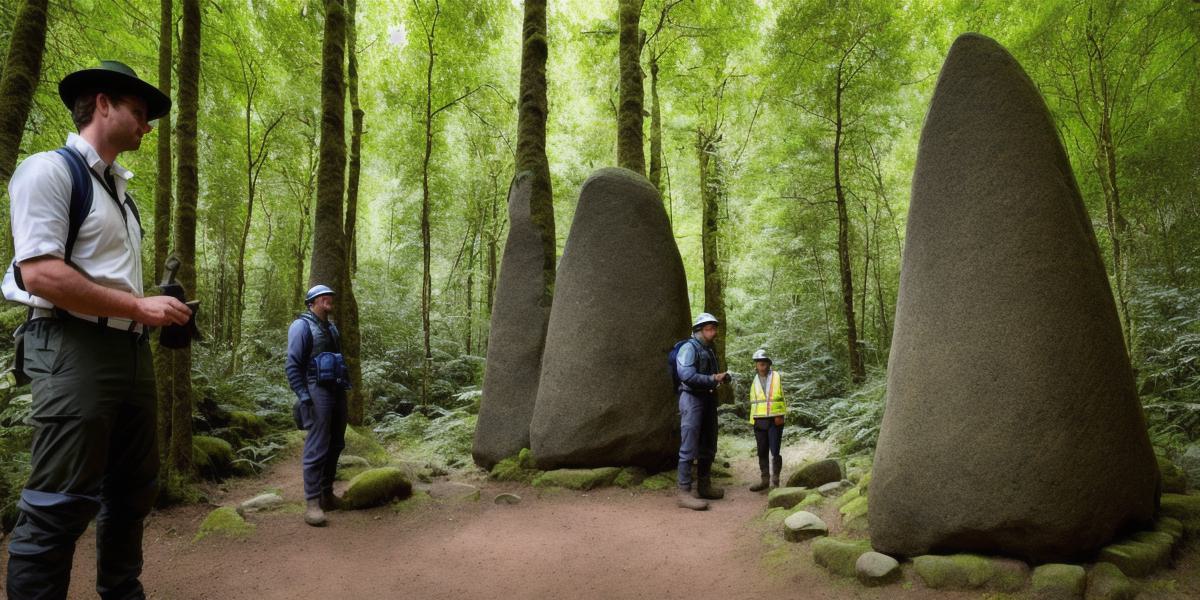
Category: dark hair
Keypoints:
(85, 105)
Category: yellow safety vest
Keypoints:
(760, 406)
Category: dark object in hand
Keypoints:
(176, 337)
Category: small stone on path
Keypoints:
(507, 498)
(875, 569)
(803, 525)
(260, 503)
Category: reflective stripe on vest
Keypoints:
(760, 406)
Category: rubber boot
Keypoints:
(762, 485)
(329, 501)
(313, 515)
(776, 467)
(685, 500)
(706, 490)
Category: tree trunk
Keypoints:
(351, 336)
(655, 129)
(857, 370)
(164, 360)
(714, 285)
(630, 153)
(329, 257)
(188, 180)
(18, 82)
(531, 137)
(426, 282)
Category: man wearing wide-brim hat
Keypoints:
(84, 347)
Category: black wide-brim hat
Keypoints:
(117, 77)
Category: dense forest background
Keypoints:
(782, 135)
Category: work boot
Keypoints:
(313, 515)
(776, 466)
(329, 501)
(762, 485)
(706, 490)
(685, 500)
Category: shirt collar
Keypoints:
(93, 159)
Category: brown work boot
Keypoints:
(706, 490)
(761, 485)
(329, 501)
(685, 500)
(313, 515)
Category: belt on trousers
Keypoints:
(111, 322)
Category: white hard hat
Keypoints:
(703, 320)
(761, 354)
(317, 290)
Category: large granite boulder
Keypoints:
(620, 303)
(1012, 425)
(518, 330)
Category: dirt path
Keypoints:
(610, 543)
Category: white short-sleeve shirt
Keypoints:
(109, 246)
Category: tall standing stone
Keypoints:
(620, 302)
(518, 331)
(1012, 423)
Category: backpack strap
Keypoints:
(81, 196)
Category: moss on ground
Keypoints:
(955, 572)
(839, 556)
(577, 479)
(360, 441)
(376, 487)
(660, 481)
(226, 522)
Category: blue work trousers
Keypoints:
(326, 420)
(698, 428)
(769, 437)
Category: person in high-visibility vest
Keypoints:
(767, 409)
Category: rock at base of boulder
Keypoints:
(224, 521)
(260, 503)
(376, 487)
(803, 525)
(661, 481)
(874, 569)
(1139, 555)
(970, 571)
(1106, 582)
(1170, 526)
(816, 474)
(1059, 582)
(1184, 508)
(839, 557)
(507, 498)
(853, 494)
(511, 469)
(578, 479)
(630, 477)
(786, 497)
(1174, 480)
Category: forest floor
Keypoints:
(602, 544)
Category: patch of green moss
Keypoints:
(525, 459)
(851, 495)
(786, 497)
(360, 441)
(854, 509)
(212, 457)
(413, 502)
(248, 423)
(510, 469)
(1183, 507)
(1174, 481)
(839, 556)
(630, 477)
(224, 521)
(577, 479)
(660, 481)
(348, 473)
(1106, 582)
(1059, 581)
(1170, 526)
(376, 487)
(955, 572)
(1140, 555)
(812, 499)
(774, 517)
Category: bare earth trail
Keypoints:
(603, 544)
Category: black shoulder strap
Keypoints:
(81, 197)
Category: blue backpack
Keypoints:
(672, 363)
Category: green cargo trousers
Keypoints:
(94, 456)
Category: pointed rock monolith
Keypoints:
(620, 302)
(518, 330)
(1012, 425)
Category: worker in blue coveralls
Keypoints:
(697, 366)
(316, 373)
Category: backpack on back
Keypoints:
(673, 364)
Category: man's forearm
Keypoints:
(66, 288)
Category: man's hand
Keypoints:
(721, 377)
(158, 311)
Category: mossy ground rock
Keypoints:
(376, 487)
(815, 474)
(786, 497)
(839, 556)
(970, 571)
(224, 521)
(248, 424)
(1139, 555)
(510, 469)
(578, 479)
(1059, 582)
(361, 442)
(212, 457)
(1184, 508)
(1106, 582)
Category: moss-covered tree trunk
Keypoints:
(164, 363)
(188, 180)
(711, 190)
(531, 136)
(655, 130)
(630, 153)
(18, 81)
(329, 256)
(351, 338)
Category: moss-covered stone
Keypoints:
(1170, 526)
(248, 424)
(226, 522)
(1106, 582)
(961, 571)
(812, 499)
(360, 441)
(525, 459)
(660, 481)
(1184, 508)
(774, 517)
(1174, 481)
(1140, 555)
(854, 509)
(212, 457)
(1059, 582)
(839, 556)
(630, 477)
(786, 497)
(864, 482)
(577, 479)
(376, 487)
(510, 469)
(815, 474)
(851, 495)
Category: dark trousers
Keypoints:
(698, 430)
(94, 456)
(326, 439)
(769, 437)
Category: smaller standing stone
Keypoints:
(803, 525)
(816, 474)
(507, 498)
(876, 569)
(1107, 582)
(786, 497)
(1059, 582)
(260, 503)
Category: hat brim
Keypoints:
(158, 104)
